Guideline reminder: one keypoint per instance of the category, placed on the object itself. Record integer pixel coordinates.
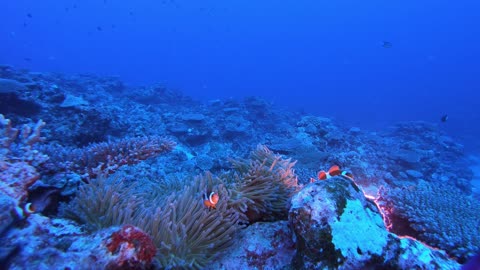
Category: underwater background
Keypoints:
(322, 57)
(239, 135)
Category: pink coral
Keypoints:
(106, 157)
(133, 248)
(18, 160)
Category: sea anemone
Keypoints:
(262, 186)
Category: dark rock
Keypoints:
(193, 117)
(10, 103)
(178, 128)
(197, 137)
(11, 86)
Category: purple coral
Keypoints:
(106, 157)
(18, 162)
(438, 214)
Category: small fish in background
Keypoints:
(29, 15)
(444, 118)
(28, 59)
(99, 28)
(431, 58)
(39, 201)
(387, 44)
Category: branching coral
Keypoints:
(106, 157)
(111, 155)
(18, 165)
(18, 144)
(439, 214)
(263, 185)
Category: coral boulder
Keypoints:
(337, 227)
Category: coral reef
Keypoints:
(110, 161)
(438, 214)
(44, 243)
(337, 227)
(185, 233)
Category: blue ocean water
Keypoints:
(366, 63)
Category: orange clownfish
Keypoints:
(333, 171)
(211, 200)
